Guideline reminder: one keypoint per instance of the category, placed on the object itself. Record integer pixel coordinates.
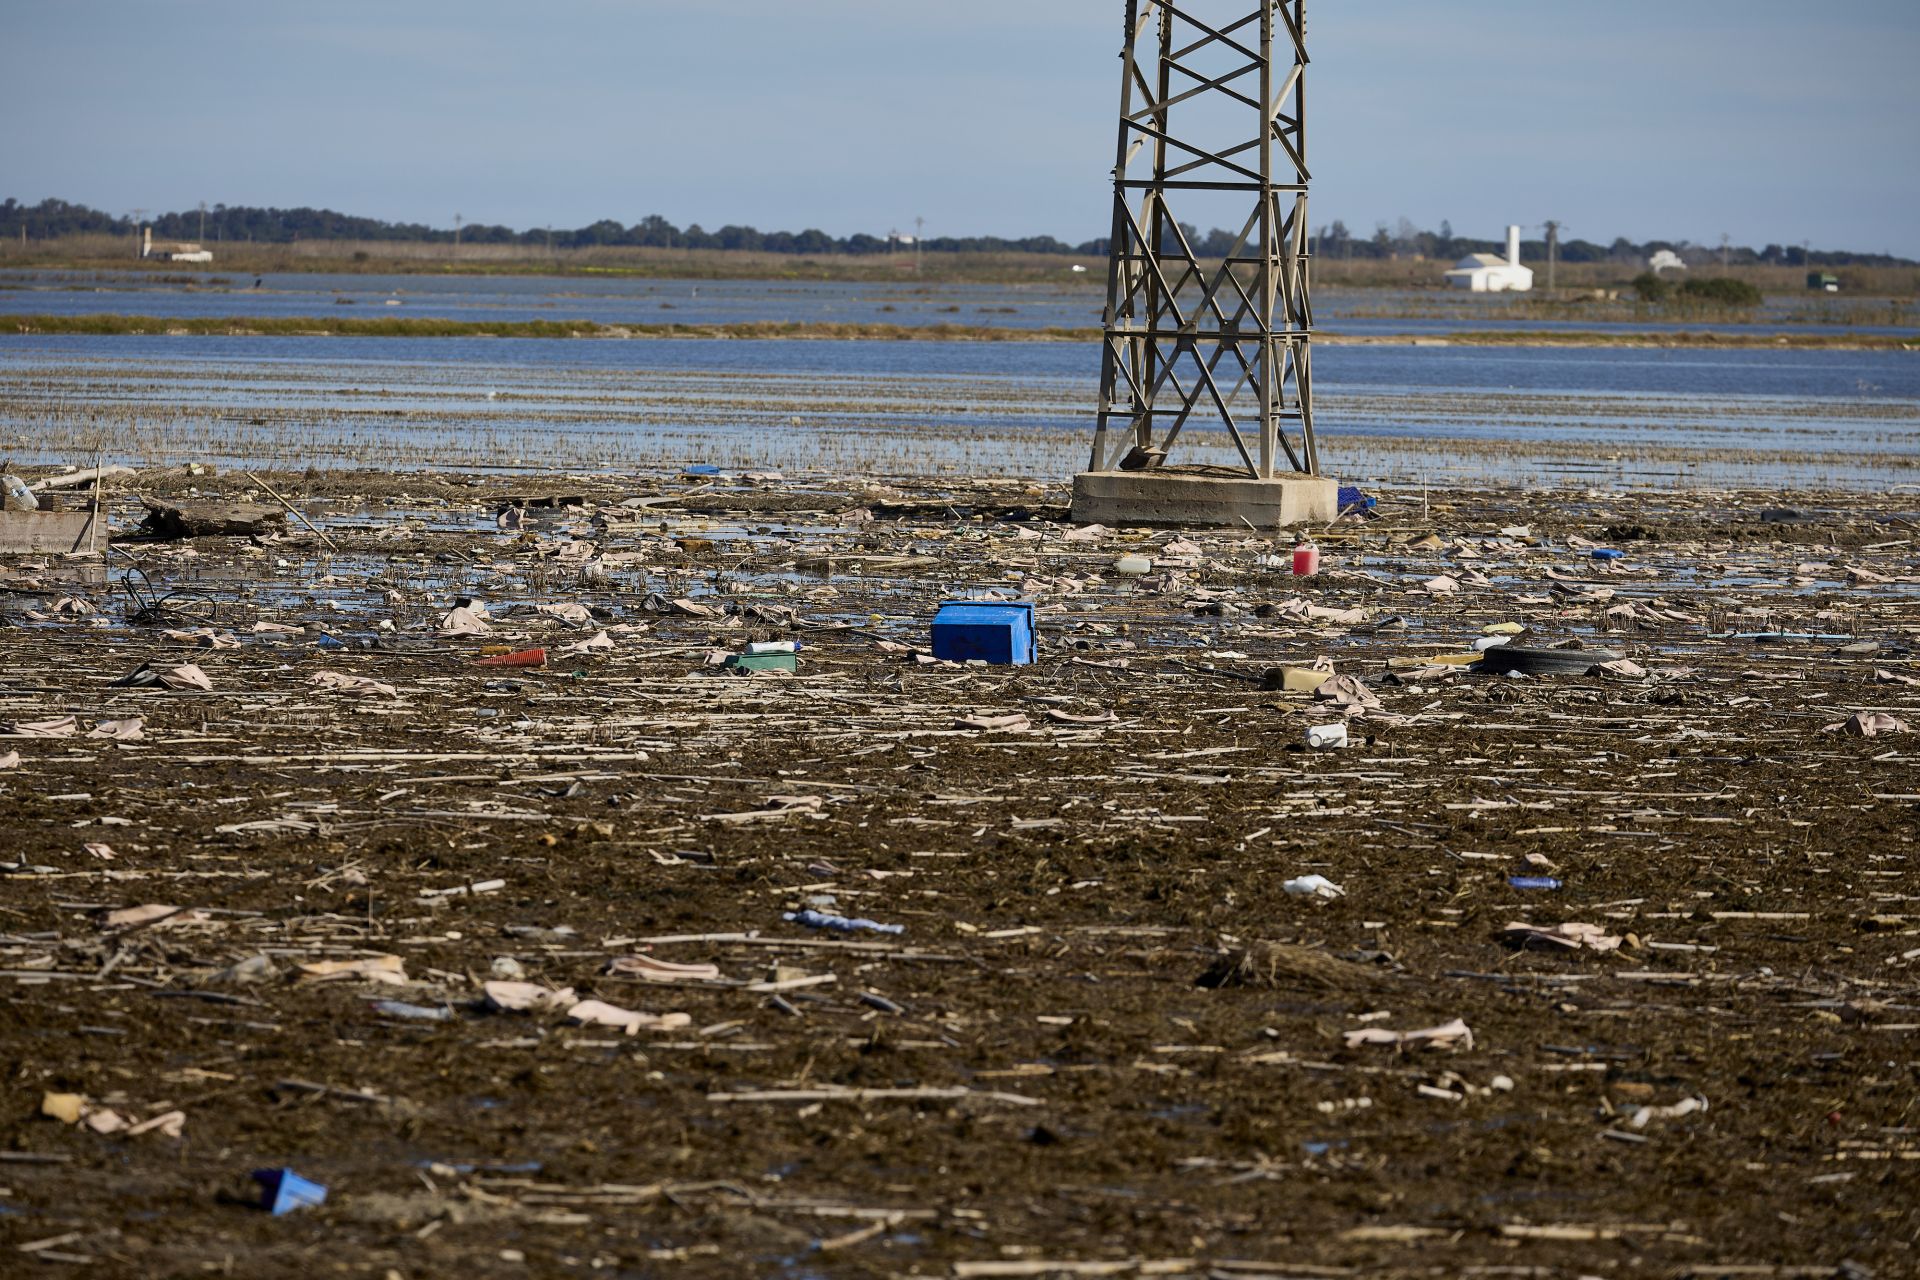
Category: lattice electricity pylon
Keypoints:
(1229, 343)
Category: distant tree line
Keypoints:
(50, 219)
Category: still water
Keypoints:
(1637, 416)
(1073, 302)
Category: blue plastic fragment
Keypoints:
(458, 1166)
(418, 1012)
(1607, 553)
(283, 1191)
(1351, 498)
(329, 642)
(1533, 882)
(702, 469)
(840, 924)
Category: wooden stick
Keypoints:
(93, 525)
(957, 1092)
(293, 510)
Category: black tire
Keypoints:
(1505, 658)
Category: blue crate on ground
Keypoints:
(985, 631)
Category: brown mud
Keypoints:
(1031, 1078)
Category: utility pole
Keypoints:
(136, 215)
(1725, 240)
(919, 236)
(456, 235)
(203, 221)
(1553, 252)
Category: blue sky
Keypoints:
(1766, 120)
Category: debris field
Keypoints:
(434, 857)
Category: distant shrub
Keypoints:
(1651, 288)
(1722, 290)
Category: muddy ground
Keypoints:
(1083, 1047)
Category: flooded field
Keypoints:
(615, 961)
(536, 969)
(1640, 417)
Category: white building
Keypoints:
(1666, 260)
(181, 252)
(1488, 273)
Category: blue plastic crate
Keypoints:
(985, 631)
(1353, 499)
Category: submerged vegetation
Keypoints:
(428, 327)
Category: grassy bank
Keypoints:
(376, 257)
(408, 327)
(371, 257)
(1699, 338)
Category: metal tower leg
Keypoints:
(1212, 100)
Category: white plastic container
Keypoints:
(1326, 737)
(1313, 887)
(1131, 566)
(774, 646)
(22, 497)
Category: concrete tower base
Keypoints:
(1202, 496)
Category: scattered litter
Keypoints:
(839, 924)
(1560, 937)
(652, 970)
(464, 620)
(129, 729)
(753, 662)
(526, 997)
(186, 676)
(1451, 1035)
(1533, 882)
(58, 727)
(597, 1013)
(1327, 737)
(1347, 691)
(519, 658)
(970, 631)
(352, 684)
(64, 1107)
(1313, 886)
(390, 970)
(415, 1012)
(1642, 1116)
(993, 723)
(1510, 658)
(1869, 724)
(283, 1191)
(151, 915)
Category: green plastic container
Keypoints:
(764, 662)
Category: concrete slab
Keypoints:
(1202, 496)
(38, 532)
